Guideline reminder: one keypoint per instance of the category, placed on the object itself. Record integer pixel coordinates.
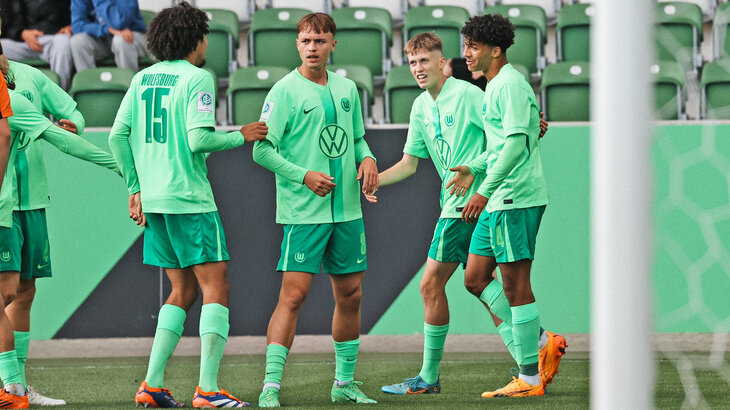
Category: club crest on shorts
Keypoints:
(333, 141)
(300, 257)
(5, 256)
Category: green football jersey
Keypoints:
(30, 172)
(164, 102)
(318, 128)
(450, 131)
(26, 124)
(510, 108)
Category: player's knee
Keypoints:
(9, 297)
(293, 300)
(473, 286)
(430, 289)
(350, 301)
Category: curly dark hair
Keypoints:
(175, 32)
(491, 29)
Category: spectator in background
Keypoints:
(38, 29)
(103, 28)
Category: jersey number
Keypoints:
(155, 114)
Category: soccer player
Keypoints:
(515, 194)
(160, 137)
(32, 201)
(27, 124)
(315, 139)
(445, 125)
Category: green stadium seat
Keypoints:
(147, 15)
(551, 7)
(707, 6)
(565, 91)
(396, 8)
(363, 79)
(720, 32)
(678, 33)
(223, 41)
(445, 21)
(668, 77)
(573, 32)
(364, 37)
(242, 8)
(474, 7)
(98, 93)
(272, 37)
(321, 6)
(715, 90)
(247, 91)
(530, 25)
(400, 91)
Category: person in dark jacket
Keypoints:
(103, 28)
(39, 29)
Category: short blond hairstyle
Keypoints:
(424, 41)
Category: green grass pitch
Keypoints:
(112, 382)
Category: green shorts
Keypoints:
(450, 241)
(182, 240)
(481, 239)
(513, 233)
(338, 247)
(24, 247)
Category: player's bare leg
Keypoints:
(347, 291)
(280, 333)
(14, 391)
(282, 325)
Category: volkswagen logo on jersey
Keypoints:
(449, 120)
(346, 104)
(333, 141)
(444, 152)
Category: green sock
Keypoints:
(433, 350)
(493, 296)
(214, 328)
(170, 322)
(505, 332)
(275, 361)
(526, 331)
(9, 372)
(22, 340)
(345, 359)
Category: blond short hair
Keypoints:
(424, 41)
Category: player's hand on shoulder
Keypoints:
(368, 174)
(543, 125)
(254, 131)
(474, 208)
(319, 182)
(461, 182)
